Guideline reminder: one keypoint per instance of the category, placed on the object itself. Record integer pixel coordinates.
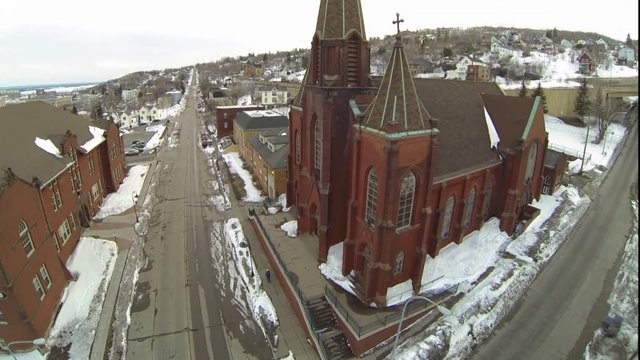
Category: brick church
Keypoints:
(397, 168)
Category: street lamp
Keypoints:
(443, 310)
(7, 346)
(134, 197)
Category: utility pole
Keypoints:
(584, 152)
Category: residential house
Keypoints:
(129, 94)
(585, 64)
(225, 116)
(626, 56)
(478, 72)
(55, 169)
(148, 113)
(248, 124)
(272, 96)
(252, 69)
(566, 44)
(267, 157)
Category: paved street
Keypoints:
(180, 308)
(559, 313)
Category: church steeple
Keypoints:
(397, 107)
(337, 18)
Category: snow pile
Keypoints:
(332, 268)
(236, 166)
(623, 301)
(156, 139)
(241, 261)
(93, 261)
(291, 228)
(117, 202)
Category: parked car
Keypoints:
(132, 151)
(138, 146)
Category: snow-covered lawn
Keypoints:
(92, 262)
(236, 166)
(156, 139)
(123, 199)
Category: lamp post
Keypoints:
(443, 310)
(7, 346)
(134, 196)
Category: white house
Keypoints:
(567, 44)
(272, 96)
(626, 55)
(129, 94)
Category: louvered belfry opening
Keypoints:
(353, 59)
(315, 59)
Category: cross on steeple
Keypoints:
(398, 21)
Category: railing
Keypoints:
(361, 330)
(323, 352)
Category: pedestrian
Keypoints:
(268, 275)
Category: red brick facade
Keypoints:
(417, 208)
(225, 116)
(41, 224)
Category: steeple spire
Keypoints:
(337, 18)
(396, 107)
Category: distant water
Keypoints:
(62, 87)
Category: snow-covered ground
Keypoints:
(123, 199)
(236, 166)
(92, 263)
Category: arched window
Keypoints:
(468, 209)
(317, 159)
(405, 206)
(372, 197)
(397, 269)
(298, 148)
(25, 237)
(487, 199)
(446, 218)
(531, 160)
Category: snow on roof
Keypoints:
(494, 138)
(262, 113)
(48, 146)
(98, 138)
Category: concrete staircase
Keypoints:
(326, 327)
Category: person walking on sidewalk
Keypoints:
(268, 275)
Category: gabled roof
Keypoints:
(277, 160)
(463, 139)
(336, 18)
(32, 120)
(397, 108)
(260, 119)
(512, 116)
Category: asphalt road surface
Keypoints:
(566, 303)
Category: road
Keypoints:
(180, 308)
(559, 313)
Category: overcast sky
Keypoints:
(59, 41)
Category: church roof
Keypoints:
(512, 116)
(397, 108)
(464, 143)
(337, 18)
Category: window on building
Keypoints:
(25, 237)
(56, 199)
(38, 287)
(44, 274)
(547, 180)
(298, 148)
(64, 231)
(487, 200)
(468, 209)
(56, 242)
(95, 191)
(405, 206)
(372, 197)
(531, 160)
(3, 320)
(317, 163)
(447, 217)
(72, 221)
(397, 269)
(92, 168)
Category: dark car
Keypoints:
(132, 151)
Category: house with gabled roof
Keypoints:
(55, 170)
(267, 156)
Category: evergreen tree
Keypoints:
(555, 33)
(629, 42)
(583, 103)
(523, 90)
(539, 92)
